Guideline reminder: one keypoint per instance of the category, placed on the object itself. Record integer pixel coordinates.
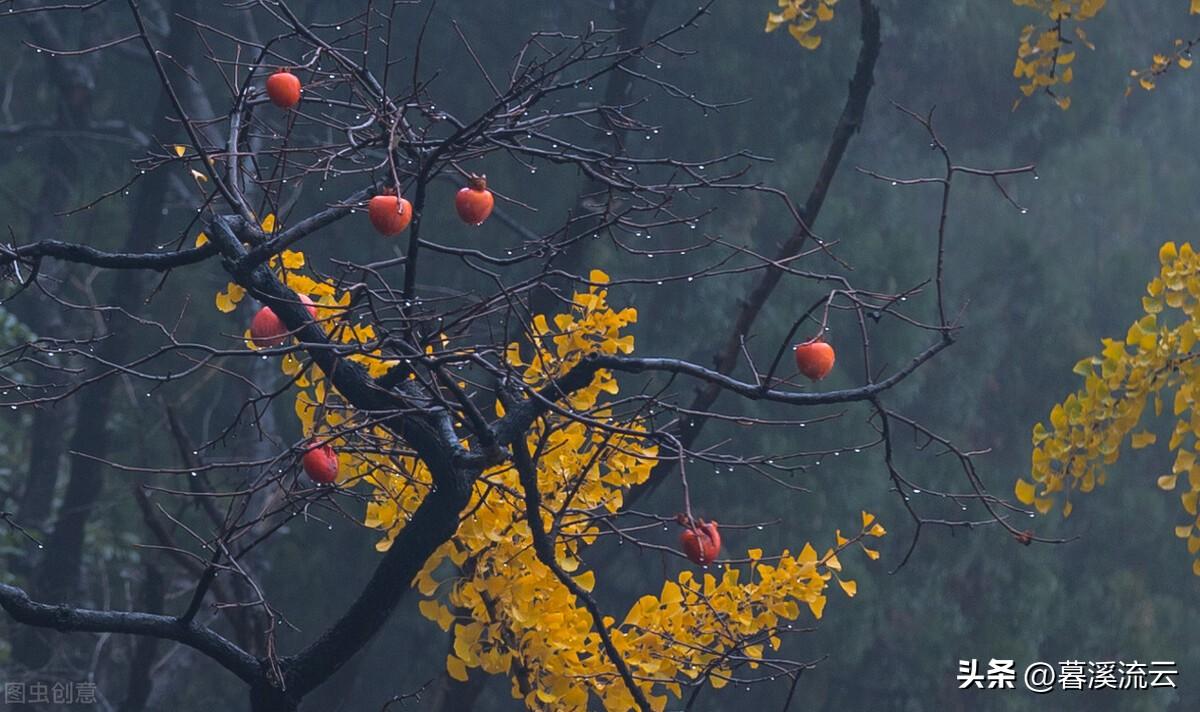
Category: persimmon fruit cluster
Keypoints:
(391, 214)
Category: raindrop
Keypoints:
(759, 527)
(895, 183)
(1024, 211)
(916, 491)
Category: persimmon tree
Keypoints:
(490, 415)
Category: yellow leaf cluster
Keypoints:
(509, 615)
(1045, 54)
(507, 611)
(802, 18)
(1154, 364)
(1147, 77)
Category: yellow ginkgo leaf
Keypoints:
(1024, 492)
(456, 669)
(292, 260)
(228, 300)
(1143, 439)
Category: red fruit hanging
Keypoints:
(474, 202)
(701, 543)
(321, 464)
(266, 329)
(815, 359)
(389, 214)
(283, 88)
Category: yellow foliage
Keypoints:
(1046, 50)
(802, 18)
(1154, 362)
(1045, 54)
(507, 611)
(1180, 56)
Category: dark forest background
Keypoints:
(1117, 177)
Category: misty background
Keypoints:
(1116, 178)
